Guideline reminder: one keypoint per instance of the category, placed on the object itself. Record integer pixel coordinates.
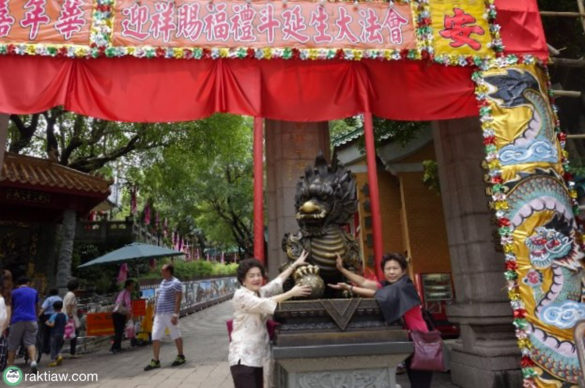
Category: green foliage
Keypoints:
(186, 270)
(431, 176)
(203, 182)
(83, 253)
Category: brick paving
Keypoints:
(205, 343)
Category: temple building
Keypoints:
(34, 195)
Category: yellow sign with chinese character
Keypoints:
(461, 28)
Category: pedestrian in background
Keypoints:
(56, 322)
(23, 323)
(44, 315)
(121, 314)
(4, 319)
(166, 316)
(70, 305)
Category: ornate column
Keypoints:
(290, 147)
(486, 354)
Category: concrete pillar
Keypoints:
(486, 355)
(3, 138)
(290, 147)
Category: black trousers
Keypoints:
(119, 324)
(247, 376)
(45, 334)
(418, 378)
(56, 345)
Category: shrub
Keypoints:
(186, 270)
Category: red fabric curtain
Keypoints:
(149, 90)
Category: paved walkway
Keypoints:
(205, 343)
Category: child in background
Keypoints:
(44, 315)
(57, 323)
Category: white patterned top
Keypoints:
(250, 345)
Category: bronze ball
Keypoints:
(315, 282)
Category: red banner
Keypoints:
(139, 307)
(45, 21)
(263, 24)
(99, 324)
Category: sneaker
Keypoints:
(180, 360)
(53, 363)
(59, 360)
(153, 365)
(33, 367)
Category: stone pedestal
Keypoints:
(486, 355)
(290, 147)
(329, 343)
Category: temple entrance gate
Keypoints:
(307, 61)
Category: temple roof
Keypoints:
(26, 171)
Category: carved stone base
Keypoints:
(372, 371)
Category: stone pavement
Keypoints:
(205, 343)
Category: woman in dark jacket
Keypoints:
(398, 299)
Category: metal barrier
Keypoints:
(579, 338)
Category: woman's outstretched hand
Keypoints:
(339, 286)
(300, 291)
(301, 259)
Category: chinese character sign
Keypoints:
(300, 24)
(45, 21)
(459, 28)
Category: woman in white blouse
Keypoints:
(253, 303)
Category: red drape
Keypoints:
(521, 31)
(132, 89)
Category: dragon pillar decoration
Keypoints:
(325, 200)
(534, 201)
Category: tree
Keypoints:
(206, 176)
(82, 143)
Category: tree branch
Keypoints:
(75, 141)
(25, 132)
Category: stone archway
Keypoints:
(486, 354)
